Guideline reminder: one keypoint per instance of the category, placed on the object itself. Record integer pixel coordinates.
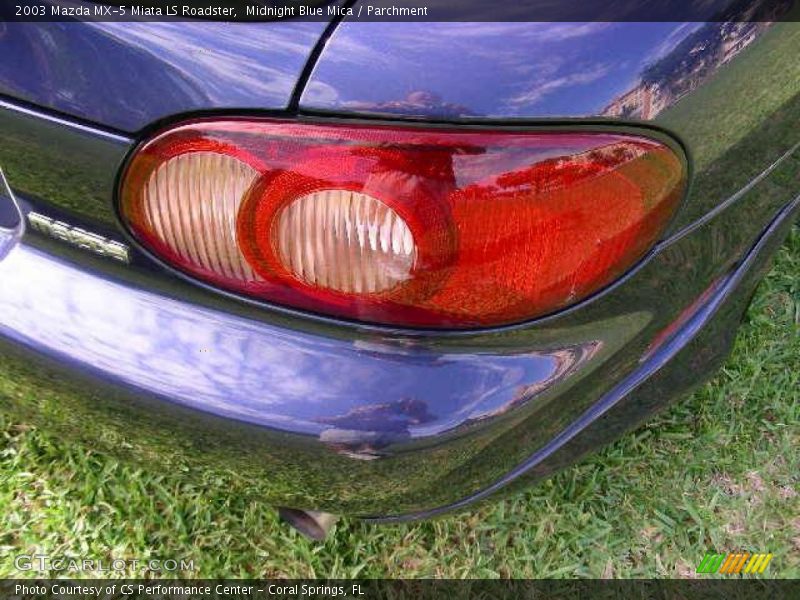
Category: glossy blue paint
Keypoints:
(497, 70)
(233, 367)
(127, 75)
(349, 419)
(361, 412)
(610, 72)
(342, 417)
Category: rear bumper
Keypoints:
(367, 422)
(680, 360)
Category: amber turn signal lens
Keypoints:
(408, 226)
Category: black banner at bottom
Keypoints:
(376, 589)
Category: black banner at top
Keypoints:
(403, 10)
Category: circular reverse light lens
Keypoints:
(190, 203)
(344, 241)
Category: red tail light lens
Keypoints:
(421, 227)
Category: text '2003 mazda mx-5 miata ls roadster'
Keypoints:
(388, 268)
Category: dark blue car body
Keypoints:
(375, 422)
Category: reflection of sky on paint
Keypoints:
(128, 75)
(234, 63)
(500, 69)
(235, 367)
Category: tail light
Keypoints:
(411, 226)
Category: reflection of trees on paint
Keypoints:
(699, 55)
(696, 58)
(363, 432)
(419, 103)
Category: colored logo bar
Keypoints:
(733, 563)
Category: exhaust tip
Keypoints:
(312, 524)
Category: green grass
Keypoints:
(717, 471)
(770, 81)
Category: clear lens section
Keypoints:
(191, 202)
(345, 241)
